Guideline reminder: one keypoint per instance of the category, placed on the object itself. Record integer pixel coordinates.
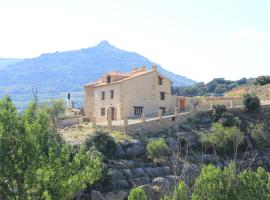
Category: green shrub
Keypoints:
(218, 112)
(262, 80)
(228, 120)
(252, 103)
(137, 194)
(213, 183)
(181, 191)
(157, 149)
(225, 140)
(103, 142)
(260, 137)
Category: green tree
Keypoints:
(33, 163)
(137, 194)
(262, 80)
(218, 112)
(252, 103)
(54, 108)
(228, 120)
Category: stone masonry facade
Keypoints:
(117, 96)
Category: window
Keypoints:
(112, 94)
(102, 111)
(109, 79)
(138, 110)
(160, 80)
(162, 95)
(102, 95)
(163, 110)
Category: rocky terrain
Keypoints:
(133, 168)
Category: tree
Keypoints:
(228, 120)
(252, 103)
(33, 163)
(54, 108)
(221, 88)
(262, 80)
(218, 112)
(137, 194)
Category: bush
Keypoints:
(218, 112)
(181, 191)
(258, 135)
(225, 140)
(137, 194)
(228, 120)
(213, 183)
(262, 80)
(103, 142)
(157, 149)
(252, 103)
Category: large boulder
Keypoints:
(138, 172)
(120, 185)
(120, 153)
(117, 195)
(128, 173)
(190, 172)
(96, 195)
(117, 174)
(134, 149)
(172, 143)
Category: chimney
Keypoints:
(154, 68)
(69, 102)
(143, 68)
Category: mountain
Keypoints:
(59, 72)
(8, 61)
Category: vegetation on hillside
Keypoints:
(35, 163)
(217, 86)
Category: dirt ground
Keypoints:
(76, 135)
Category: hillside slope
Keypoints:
(54, 74)
(4, 62)
(262, 91)
(70, 70)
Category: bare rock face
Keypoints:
(120, 195)
(96, 195)
(190, 172)
(160, 186)
(120, 153)
(134, 149)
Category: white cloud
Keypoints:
(250, 34)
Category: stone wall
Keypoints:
(157, 125)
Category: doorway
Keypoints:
(112, 113)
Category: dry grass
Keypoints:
(77, 134)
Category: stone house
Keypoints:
(117, 96)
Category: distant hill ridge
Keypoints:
(60, 72)
(8, 61)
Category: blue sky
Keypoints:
(201, 39)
